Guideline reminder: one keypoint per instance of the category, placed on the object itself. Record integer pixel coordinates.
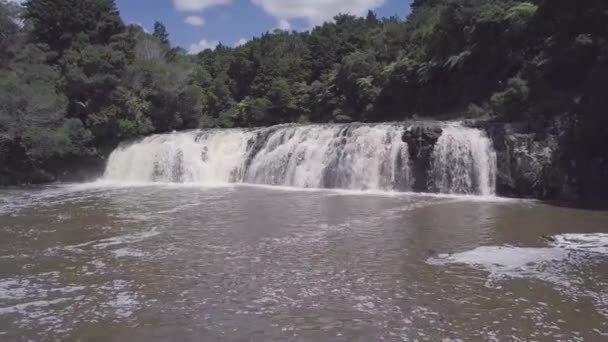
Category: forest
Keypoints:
(75, 80)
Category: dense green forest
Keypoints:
(75, 80)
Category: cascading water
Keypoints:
(357, 157)
(464, 162)
(346, 157)
(214, 156)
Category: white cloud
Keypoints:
(284, 25)
(142, 26)
(197, 5)
(241, 41)
(316, 11)
(202, 45)
(195, 20)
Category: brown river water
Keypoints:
(95, 262)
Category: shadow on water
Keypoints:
(588, 204)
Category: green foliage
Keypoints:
(28, 97)
(9, 13)
(70, 139)
(254, 111)
(160, 33)
(282, 99)
(519, 17)
(58, 23)
(74, 79)
(512, 100)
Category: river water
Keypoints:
(100, 261)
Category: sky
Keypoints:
(199, 24)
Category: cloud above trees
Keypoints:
(198, 5)
(202, 45)
(316, 11)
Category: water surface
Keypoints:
(239, 263)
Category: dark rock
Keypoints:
(421, 139)
(529, 161)
(548, 238)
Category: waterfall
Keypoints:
(464, 162)
(357, 157)
(214, 156)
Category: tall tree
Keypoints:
(160, 32)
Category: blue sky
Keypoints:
(197, 24)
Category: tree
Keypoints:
(8, 31)
(28, 97)
(255, 111)
(512, 100)
(58, 23)
(372, 18)
(160, 32)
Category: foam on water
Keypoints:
(45, 300)
(591, 243)
(511, 262)
(117, 240)
(559, 264)
(127, 252)
(524, 261)
(104, 184)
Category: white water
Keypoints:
(464, 162)
(551, 263)
(356, 157)
(215, 156)
(352, 157)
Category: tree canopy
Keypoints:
(75, 80)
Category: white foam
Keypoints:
(544, 263)
(103, 184)
(117, 240)
(124, 304)
(21, 308)
(508, 261)
(127, 252)
(14, 289)
(595, 243)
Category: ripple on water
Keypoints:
(47, 301)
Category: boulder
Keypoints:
(421, 139)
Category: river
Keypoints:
(150, 253)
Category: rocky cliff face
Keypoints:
(421, 139)
(530, 163)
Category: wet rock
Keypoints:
(529, 161)
(421, 139)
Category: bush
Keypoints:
(45, 144)
(512, 100)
